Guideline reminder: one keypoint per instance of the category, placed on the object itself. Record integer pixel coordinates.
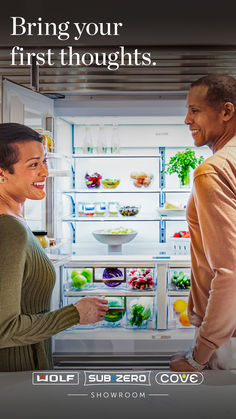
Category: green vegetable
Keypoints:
(139, 315)
(180, 280)
(113, 316)
(181, 163)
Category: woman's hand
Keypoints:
(91, 309)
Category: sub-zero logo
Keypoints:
(114, 377)
(58, 378)
(179, 378)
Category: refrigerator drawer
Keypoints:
(177, 313)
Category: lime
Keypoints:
(87, 273)
(79, 281)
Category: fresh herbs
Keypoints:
(139, 315)
(181, 163)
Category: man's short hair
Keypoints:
(11, 136)
(221, 89)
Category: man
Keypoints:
(211, 216)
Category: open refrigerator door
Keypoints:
(24, 106)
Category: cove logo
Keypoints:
(93, 378)
(179, 378)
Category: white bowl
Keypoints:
(114, 241)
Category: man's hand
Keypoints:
(179, 363)
(91, 309)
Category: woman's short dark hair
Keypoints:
(221, 89)
(12, 134)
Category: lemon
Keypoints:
(180, 305)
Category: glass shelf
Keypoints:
(108, 191)
(59, 173)
(177, 293)
(176, 190)
(58, 156)
(110, 292)
(126, 191)
(115, 156)
(95, 218)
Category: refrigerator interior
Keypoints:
(167, 329)
(139, 136)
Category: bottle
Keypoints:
(115, 140)
(50, 142)
(41, 236)
(88, 143)
(102, 142)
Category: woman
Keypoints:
(27, 276)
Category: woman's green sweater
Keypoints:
(27, 279)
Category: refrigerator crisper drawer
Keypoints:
(127, 313)
(179, 279)
(91, 279)
(177, 313)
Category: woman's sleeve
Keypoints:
(18, 329)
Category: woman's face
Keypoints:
(30, 172)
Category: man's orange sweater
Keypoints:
(211, 215)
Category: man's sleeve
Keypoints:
(17, 329)
(216, 207)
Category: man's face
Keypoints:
(205, 122)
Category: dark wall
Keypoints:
(150, 22)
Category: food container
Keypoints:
(140, 313)
(109, 278)
(41, 236)
(177, 313)
(113, 208)
(129, 211)
(115, 316)
(141, 179)
(110, 183)
(179, 279)
(113, 277)
(100, 208)
(81, 208)
(78, 279)
(89, 209)
(93, 181)
(141, 279)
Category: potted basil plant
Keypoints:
(181, 163)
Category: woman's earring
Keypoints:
(3, 179)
